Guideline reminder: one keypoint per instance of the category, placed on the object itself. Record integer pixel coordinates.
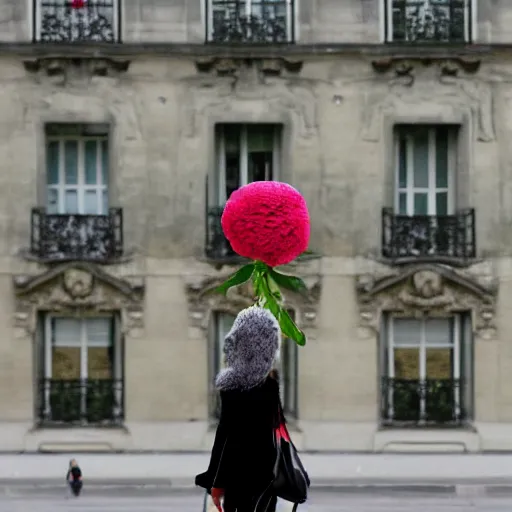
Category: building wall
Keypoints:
(338, 114)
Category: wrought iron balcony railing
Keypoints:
(424, 21)
(422, 402)
(81, 402)
(73, 237)
(74, 21)
(250, 21)
(428, 237)
(217, 246)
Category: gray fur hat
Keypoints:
(250, 349)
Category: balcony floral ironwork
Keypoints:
(81, 402)
(422, 402)
(250, 21)
(424, 21)
(75, 21)
(73, 237)
(440, 238)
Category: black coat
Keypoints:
(244, 454)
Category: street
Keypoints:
(192, 502)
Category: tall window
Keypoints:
(245, 153)
(427, 366)
(82, 373)
(250, 21)
(77, 170)
(286, 364)
(441, 21)
(425, 170)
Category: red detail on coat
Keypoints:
(267, 221)
(78, 4)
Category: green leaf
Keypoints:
(293, 283)
(289, 329)
(239, 277)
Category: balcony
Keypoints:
(70, 237)
(217, 247)
(250, 21)
(449, 238)
(428, 21)
(76, 21)
(422, 402)
(81, 402)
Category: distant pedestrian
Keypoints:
(240, 475)
(74, 477)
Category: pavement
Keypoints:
(165, 473)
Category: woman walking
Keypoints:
(241, 469)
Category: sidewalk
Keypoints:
(439, 471)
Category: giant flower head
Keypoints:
(267, 221)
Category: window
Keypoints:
(287, 364)
(250, 21)
(69, 21)
(427, 366)
(429, 21)
(77, 170)
(245, 153)
(425, 170)
(82, 370)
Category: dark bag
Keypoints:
(291, 481)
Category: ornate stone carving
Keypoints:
(236, 67)
(440, 84)
(426, 290)
(226, 94)
(72, 288)
(202, 301)
(62, 70)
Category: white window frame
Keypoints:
(218, 363)
(291, 21)
(455, 345)
(38, 17)
(220, 193)
(432, 189)
(80, 187)
(84, 345)
(470, 25)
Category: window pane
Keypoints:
(441, 158)
(406, 331)
(91, 148)
(66, 363)
(232, 158)
(439, 363)
(71, 201)
(421, 204)
(260, 138)
(71, 162)
(407, 363)
(52, 163)
(442, 203)
(98, 332)
(66, 332)
(52, 198)
(91, 202)
(402, 203)
(402, 162)
(99, 363)
(420, 159)
(438, 331)
(104, 162)
(105, 202)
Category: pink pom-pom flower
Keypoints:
(267, 221)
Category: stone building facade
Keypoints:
(124, 127)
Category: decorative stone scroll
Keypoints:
(201, 301)
(426, 290)
(78, 288)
